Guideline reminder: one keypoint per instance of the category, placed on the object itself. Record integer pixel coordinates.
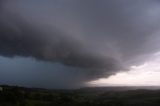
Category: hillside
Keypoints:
(21, 96)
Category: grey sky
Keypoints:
(82, 40)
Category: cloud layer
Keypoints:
(99, 38)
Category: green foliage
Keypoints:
(16, 96)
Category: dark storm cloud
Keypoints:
(99, 37)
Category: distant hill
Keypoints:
(120, 88)
(94, 96)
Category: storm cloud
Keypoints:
(97, 37)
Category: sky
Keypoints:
(68, 43)
(146, 74)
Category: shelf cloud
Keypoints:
(99, 38)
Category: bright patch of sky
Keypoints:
(147, 74)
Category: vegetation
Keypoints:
(19, 96)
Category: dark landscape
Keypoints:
(97, 96)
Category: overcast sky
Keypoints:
(67, 43)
